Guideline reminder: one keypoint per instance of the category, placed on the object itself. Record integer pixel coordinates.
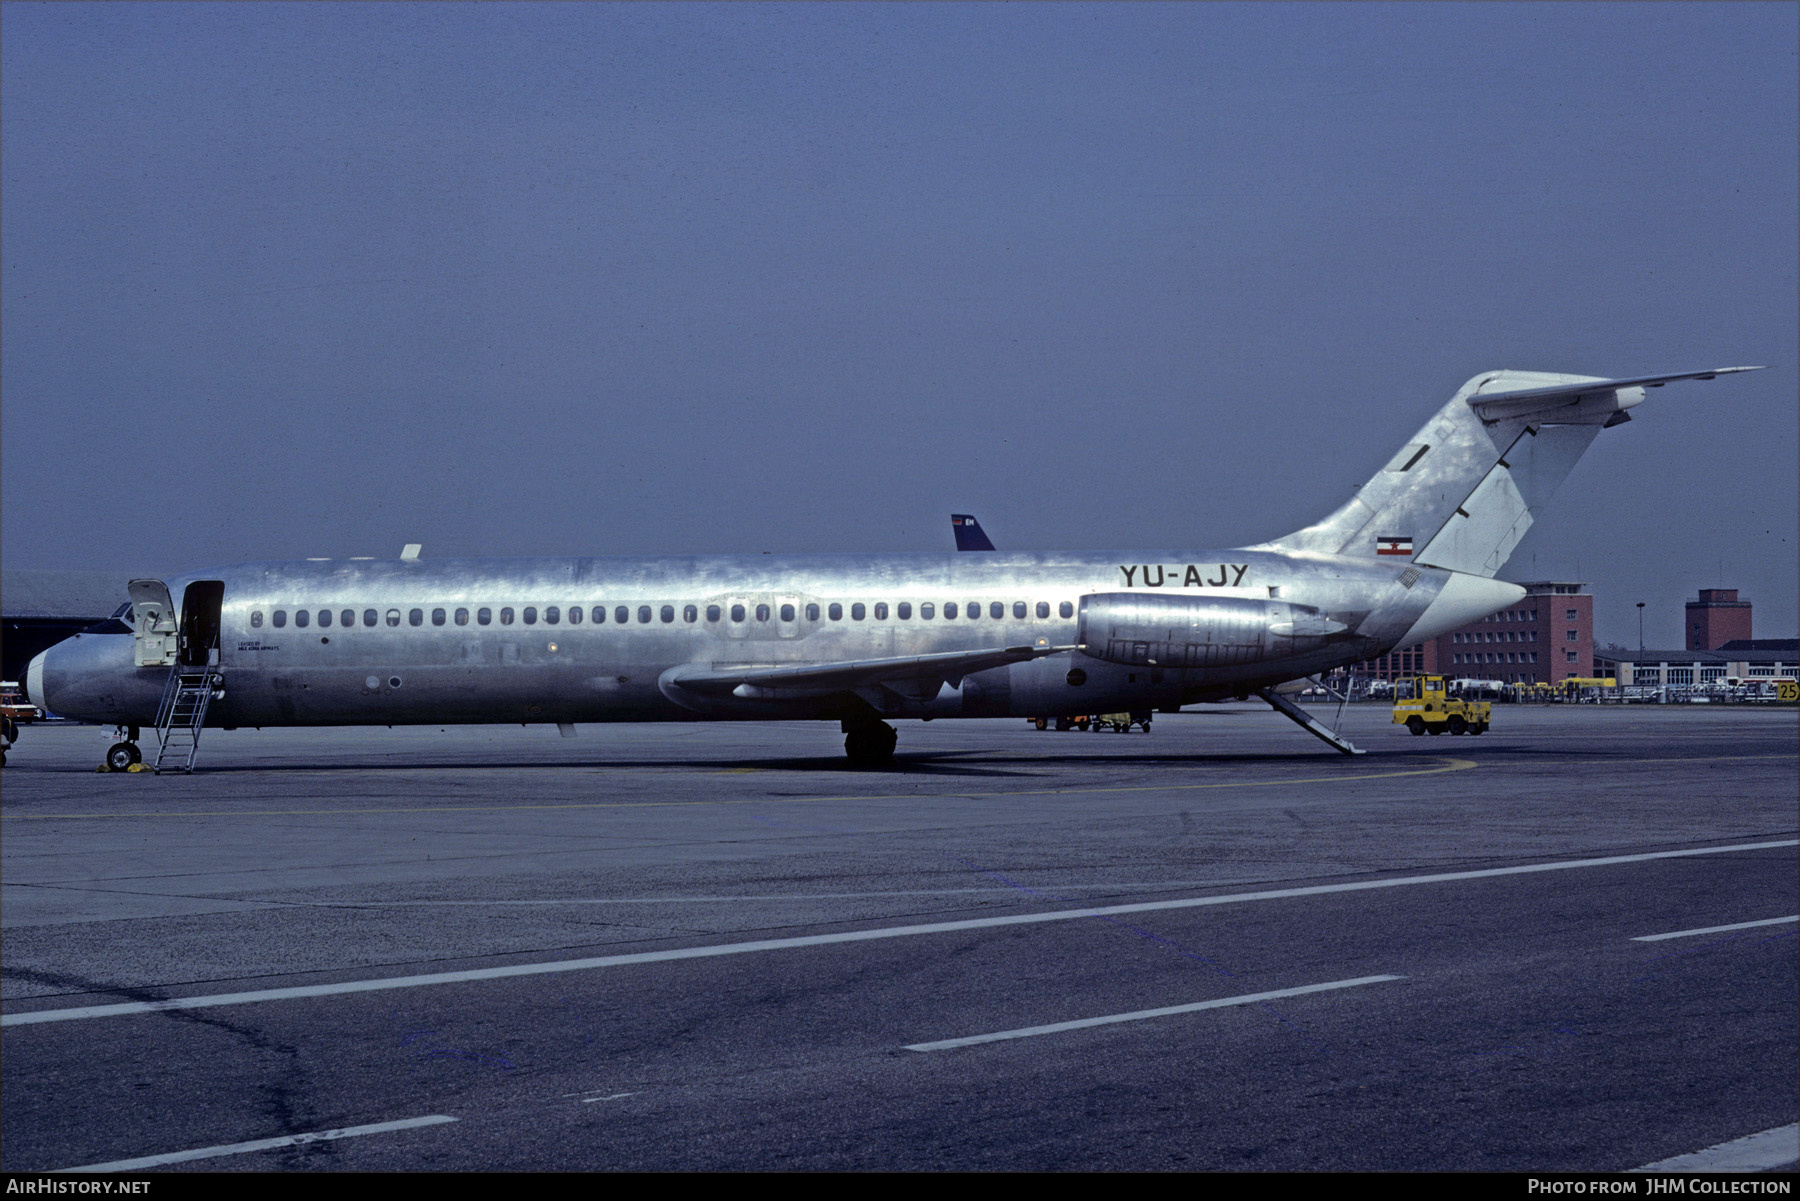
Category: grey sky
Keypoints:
(290, 280)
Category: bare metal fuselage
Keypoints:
(397, 672)
(859, 638)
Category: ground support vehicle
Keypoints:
(15, 710)
(1427, 704)
(1065, 723)
(1122, 722)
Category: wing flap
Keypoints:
(712, 679)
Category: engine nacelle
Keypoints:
(1142, 630)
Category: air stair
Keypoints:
(182, 715)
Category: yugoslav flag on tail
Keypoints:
(1471, 482)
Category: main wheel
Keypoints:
(1043, 723)
(121, 755)
(1416, 724)
(871, 745)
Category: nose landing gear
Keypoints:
(124, 754)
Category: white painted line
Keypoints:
(261, 1144)
(126, 1008)
(1768, 921)
(1777, 1148)
(1142, 1014)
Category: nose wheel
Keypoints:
(121, 755)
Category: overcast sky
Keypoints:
(291, 280)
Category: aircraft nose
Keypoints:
(34, 681)
(92, 677)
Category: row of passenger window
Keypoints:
(646, 614)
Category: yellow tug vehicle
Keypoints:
(1428, 705)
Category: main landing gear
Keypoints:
(869, 743)
(124, 754)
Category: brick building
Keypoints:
(1716, 618)
(1546, 637)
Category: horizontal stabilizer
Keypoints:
(1462, 492)
(817, 678)
(1497, 406)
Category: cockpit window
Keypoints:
(118, 623)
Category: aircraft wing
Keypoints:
(819, 678)
(1494, 406)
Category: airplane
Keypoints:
(860, 639)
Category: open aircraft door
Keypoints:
(200, 605)
(153, 624)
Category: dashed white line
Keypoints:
(261, 1144)
(1777, 1148)
(126, 1008)
(1768, 921)
(1144, 1014)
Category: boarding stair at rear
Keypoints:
(182, 715)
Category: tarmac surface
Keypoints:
(1566, 945)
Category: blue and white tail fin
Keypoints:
(1465, 489)
(968, 533)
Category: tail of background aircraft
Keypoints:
(1463, 491)
(968, 533)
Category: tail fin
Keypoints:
(968, 533)
(1463, 492)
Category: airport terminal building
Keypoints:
(38, 609)
(1739, 660)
